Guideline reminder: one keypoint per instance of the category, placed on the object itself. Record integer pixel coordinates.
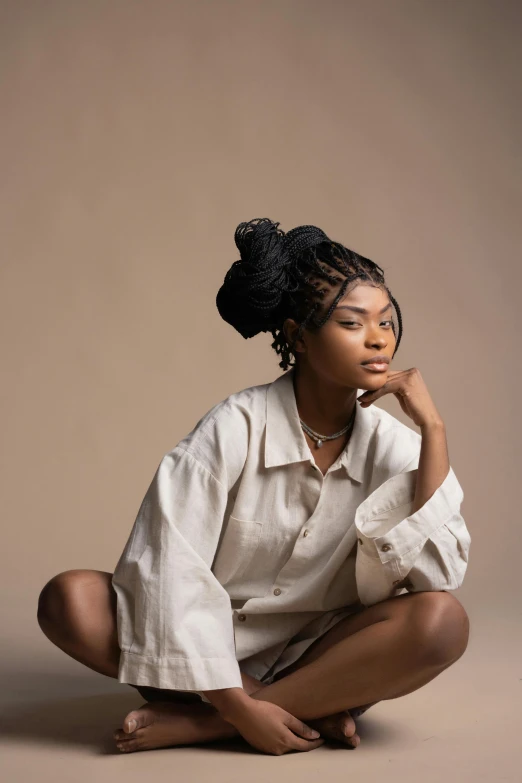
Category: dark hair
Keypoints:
(287, 275)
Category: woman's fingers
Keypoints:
(300, 728)
(297, 729)
(296, 743)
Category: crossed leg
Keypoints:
(387, 650)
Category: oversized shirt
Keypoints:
(243, 551)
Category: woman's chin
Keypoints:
(373, 381)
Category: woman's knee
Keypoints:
(65, 593)
(441, 627)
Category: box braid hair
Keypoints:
(287, 275)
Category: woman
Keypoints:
(290, 561)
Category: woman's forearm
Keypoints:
(227, 699)
(433, 462)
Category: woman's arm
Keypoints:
(433, 462)
(409, 388)
(174, 619)
(410, 529)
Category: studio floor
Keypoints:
(58, 718)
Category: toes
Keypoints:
(348, 729)
(123, 736)
(130, 723)
(133, 743)
(354, 740)
(128, 746)
(137, 719)
(347, 723)
(340, 727)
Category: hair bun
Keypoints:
(254, 285)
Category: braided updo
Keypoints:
(287, 275)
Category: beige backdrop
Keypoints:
(135, 136)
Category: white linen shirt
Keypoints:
(242, 550)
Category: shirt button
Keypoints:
(305, 533)
(277, 591)
(241, 617)
(396, 581)
(386, 547)
(359, 540)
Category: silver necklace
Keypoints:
(319, 439)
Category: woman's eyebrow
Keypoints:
(361, 309)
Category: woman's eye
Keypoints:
(354, 323)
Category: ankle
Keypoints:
(220, 726)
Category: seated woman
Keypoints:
(290, 563)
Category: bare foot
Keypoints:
(167, 724)
(164, 724)
(340, 727)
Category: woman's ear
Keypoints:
(290, 329)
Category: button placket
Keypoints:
(315, 498)
(319, 473)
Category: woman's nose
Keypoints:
(378, 340)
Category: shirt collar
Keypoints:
(285, 441)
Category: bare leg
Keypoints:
(388, 650)
(385, 651)
(77, 612)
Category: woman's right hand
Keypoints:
(272, 729)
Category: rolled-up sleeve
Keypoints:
(424, 550)
(174, 618)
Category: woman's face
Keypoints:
(350, 337)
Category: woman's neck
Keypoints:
(325, 407)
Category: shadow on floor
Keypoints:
(88, 721)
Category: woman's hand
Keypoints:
(412, 393)
(270, 728)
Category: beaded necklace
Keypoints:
(319, 439)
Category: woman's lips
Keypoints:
(377, 367)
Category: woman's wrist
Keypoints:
(227, 701)
(434, 423)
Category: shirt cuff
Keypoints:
(179, 674)
(386, 527)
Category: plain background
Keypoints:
(135, 136)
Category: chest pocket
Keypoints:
(237, 550)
